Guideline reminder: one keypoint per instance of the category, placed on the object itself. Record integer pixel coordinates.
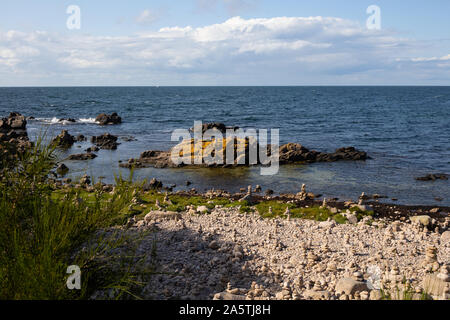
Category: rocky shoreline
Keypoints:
(222, 254)
(254, 245)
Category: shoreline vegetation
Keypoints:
(141, 241)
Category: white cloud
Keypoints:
(282, 50)
(444, 58)
(147, 17)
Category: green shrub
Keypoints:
(41, 230)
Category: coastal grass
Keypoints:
(312, 213)
(179, 203)
(42, 231)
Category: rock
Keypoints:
(63, 140)
(215, 125)
(80, 138)
(352, 219)
(327, 224)
(423, 220)
(375, 295)
(62, 169)
(82, 156)
(152, 185)
(162, 215)
(214, 245)
(316, 295)
(364, 207)
(104, 119)
(105, 141)
(433, 177)
(67, 120)
(92, 149)
(15, 121)
(228, 296)
(85, 180)
(202, 209)
(433, 285)
(350, 286)
(434, 210)
(445, 237)
(294, 152)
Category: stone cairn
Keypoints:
(287, 213)
(302, 195)
(430, 261)
(362, 199)
(248, 197)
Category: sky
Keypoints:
(223, 42)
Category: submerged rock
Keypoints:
(433, 177)
(294, 152)
(82, 156)
(105, 141)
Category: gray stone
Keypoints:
(350, 286)
(228, 296)
(164, 215)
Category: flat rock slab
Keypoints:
(350, 286)
(228, 296)
(317, 295)
(162, 215)
(82, 156)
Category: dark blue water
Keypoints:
(406, 130)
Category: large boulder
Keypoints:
(15, 122)
(350, 286)
(104, 119)
(105, 141)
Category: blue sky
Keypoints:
(224, 42)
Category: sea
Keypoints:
(405, 131)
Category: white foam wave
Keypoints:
(55, 120)
(87, 120)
